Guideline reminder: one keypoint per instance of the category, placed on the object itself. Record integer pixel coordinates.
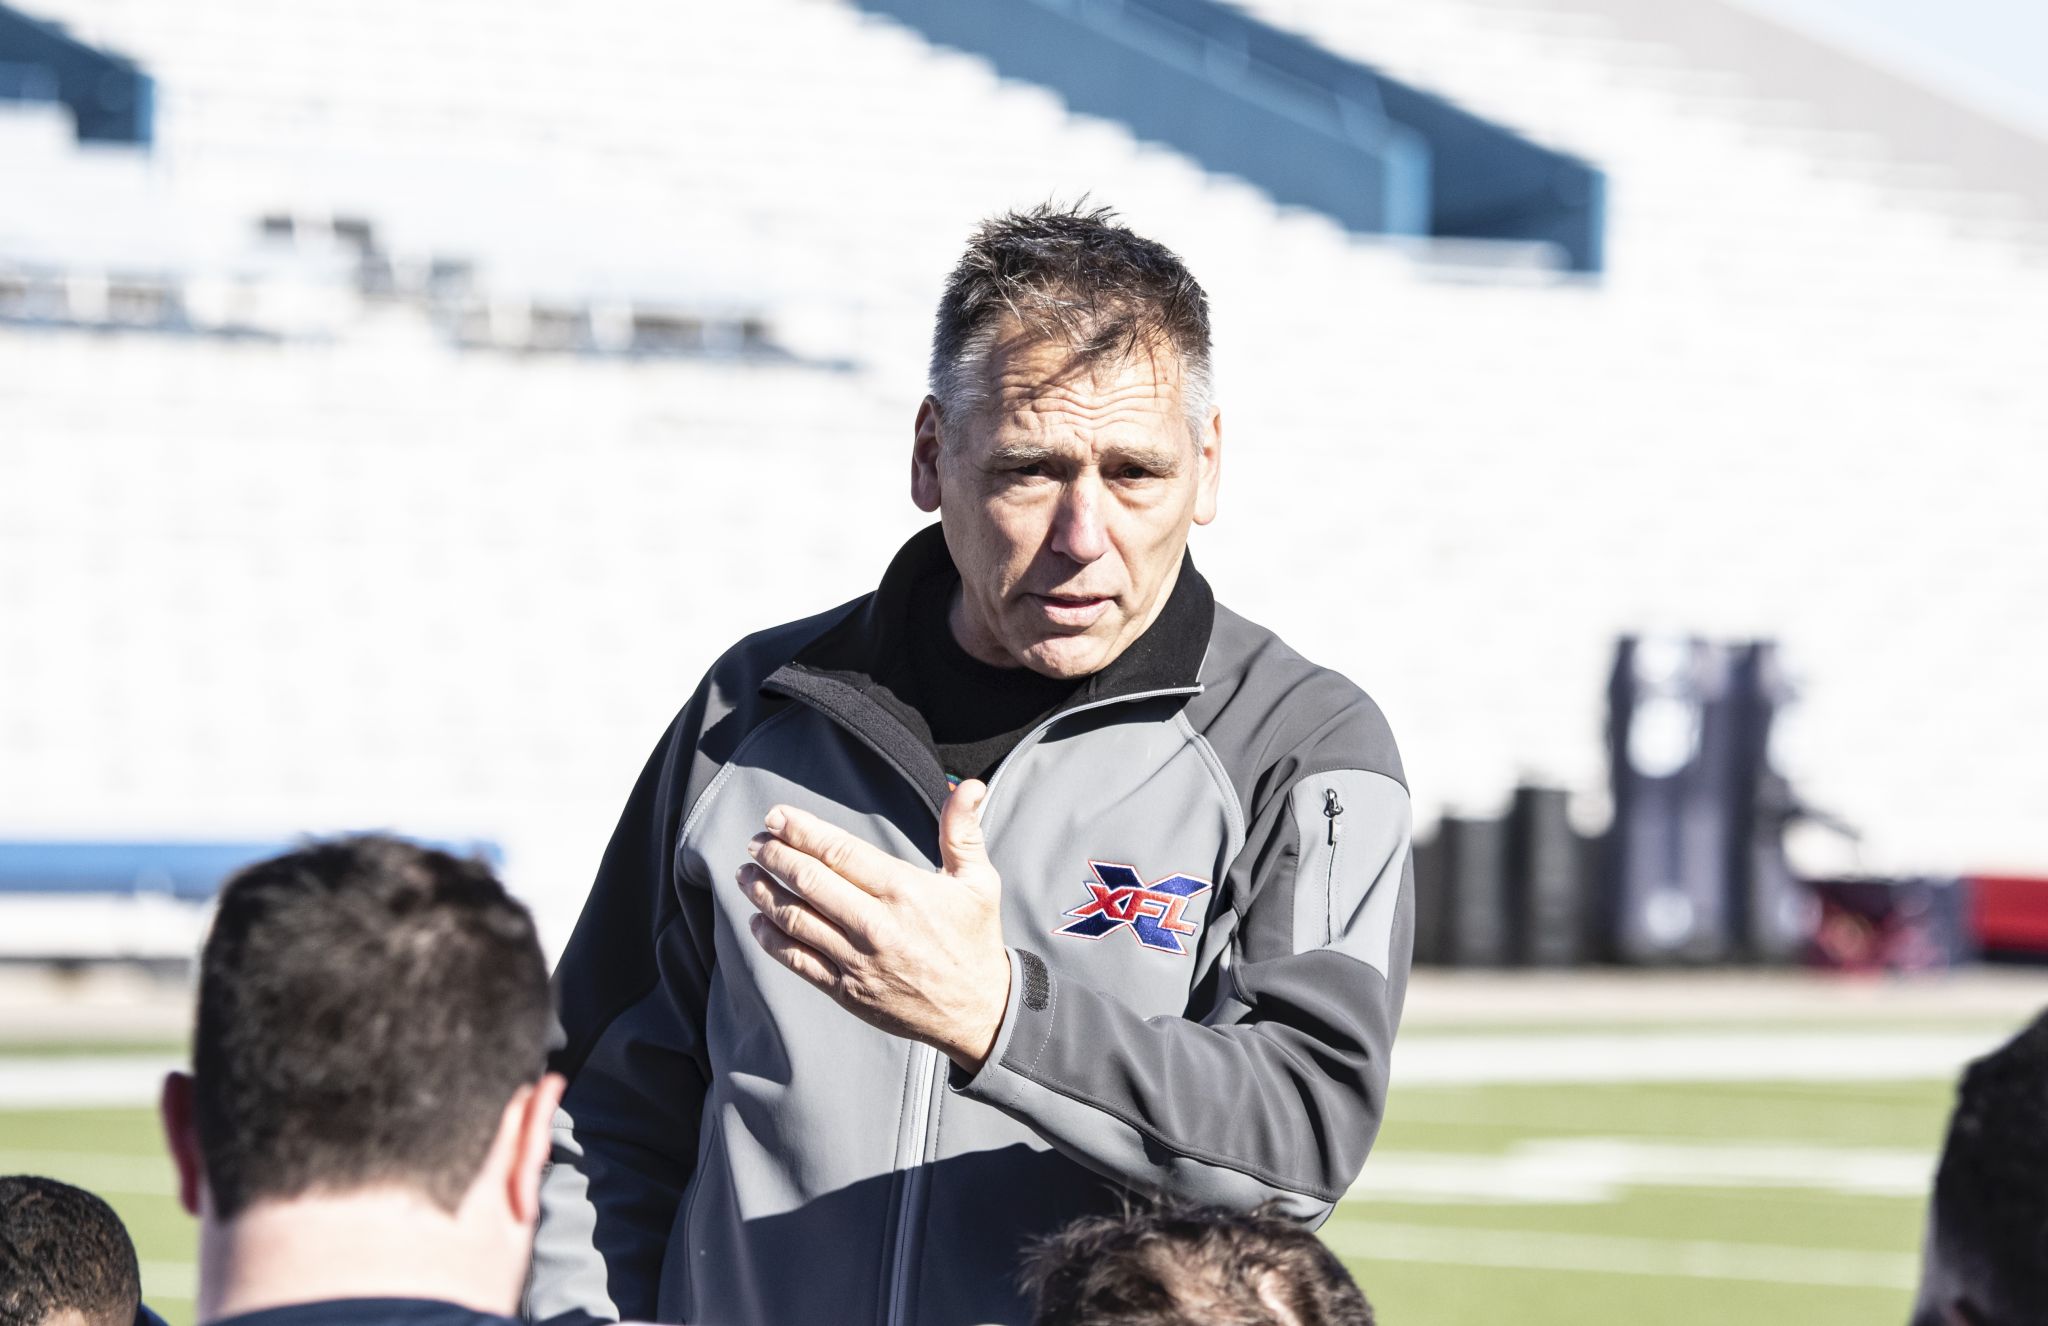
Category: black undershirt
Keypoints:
(976, 713)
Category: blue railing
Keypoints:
(190, 871)
(1309, 127)
(110, 99)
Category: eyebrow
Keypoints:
(1022, 453)
(1030, 453)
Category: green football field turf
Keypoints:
(1673, 1204)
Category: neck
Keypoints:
(382, 1243)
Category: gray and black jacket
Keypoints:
(1209, 904)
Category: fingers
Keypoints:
(788, 913)
(870, 868)
(962, 850)
(794, 954)
(816, 883)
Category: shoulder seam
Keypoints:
(711, 789)
(1318, 770)
(1233, 808)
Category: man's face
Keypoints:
(1066, 503)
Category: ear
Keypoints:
(1208, 467)
(924, 457)
(531, 1119)
(179, 1113)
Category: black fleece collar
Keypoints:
(857, 672)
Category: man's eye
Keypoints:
(1031, 471)
(1134, 472)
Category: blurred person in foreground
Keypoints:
(1031, 879)
(362, 1132)
(1190, 1266)
(1986, 1255)
(65, 1258)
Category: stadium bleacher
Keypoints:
(353, 565)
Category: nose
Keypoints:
(1079, 533)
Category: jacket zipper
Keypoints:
(927, 1061)
(1333, 814)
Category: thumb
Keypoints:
(961, 847)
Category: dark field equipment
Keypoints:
(1546, 880)
(1774, 912)
(1675, 756)
(1696, 870)
(1461, 913)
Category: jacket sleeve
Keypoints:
(1277, 1092)
(631, 990)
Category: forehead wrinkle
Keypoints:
(1030, 396)
(1033, 373)
(1095, 419)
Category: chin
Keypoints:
(1068, 656)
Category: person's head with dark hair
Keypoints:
(1069, 439)
(65, 1257)
(1986, 1256)
(369, 1106)
(1190, 1266)
(1074, 277)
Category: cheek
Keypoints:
(1149, 530)
(1017, 526)
(994, 540)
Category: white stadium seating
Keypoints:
(347, 572)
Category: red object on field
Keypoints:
(1872, 924)
(2009, 913)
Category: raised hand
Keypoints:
(917, 953)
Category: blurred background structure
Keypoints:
(401, 404)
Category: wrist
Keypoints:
(971, 1049)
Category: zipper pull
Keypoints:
(1332, 809)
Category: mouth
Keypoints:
(1073, 610)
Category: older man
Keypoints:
(1029, 880)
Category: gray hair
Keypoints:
(1076, 276)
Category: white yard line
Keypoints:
(1850, 1055)
(1611, 1254)
(31, 1082)
(1555, 1171)
(100, 1171)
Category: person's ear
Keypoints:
(924, 457)
(178, 1110)
(532, 1122)
(1208, 467)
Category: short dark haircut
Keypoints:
(367, 1007)
(1990, 1207)
(63, 1250)
(1074, 275)
(1174, 1265)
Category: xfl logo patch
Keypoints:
(1154, 912)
